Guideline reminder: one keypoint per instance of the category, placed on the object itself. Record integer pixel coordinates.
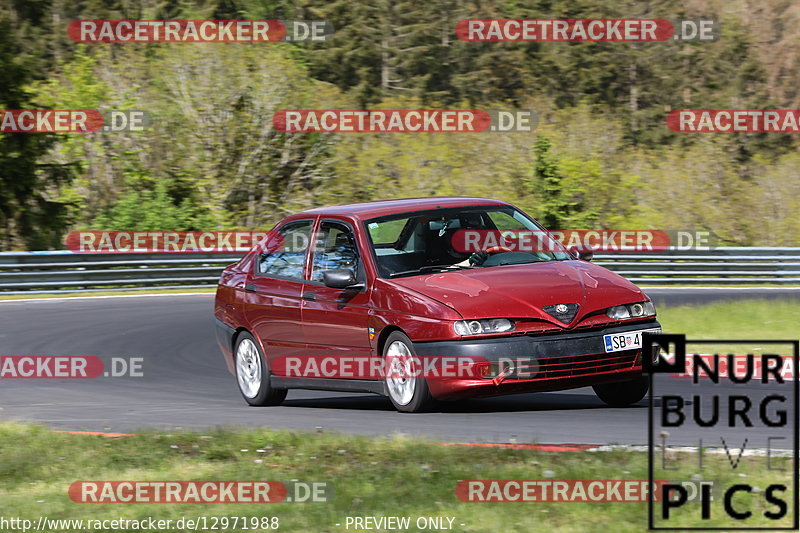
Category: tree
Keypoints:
(28, 215)
(545, 184)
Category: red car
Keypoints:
(383, 297)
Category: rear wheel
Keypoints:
(408, 394)
(623, 394)
(252, 373)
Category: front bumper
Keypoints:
(536, 363)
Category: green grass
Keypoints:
(742, 319)
(369, 477)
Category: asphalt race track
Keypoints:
(186, 384)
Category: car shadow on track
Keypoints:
(516, 403)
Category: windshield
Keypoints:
(439, 240)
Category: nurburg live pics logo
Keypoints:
(742, 401)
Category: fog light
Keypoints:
(482, 370)
(508, 369)
(493, 370)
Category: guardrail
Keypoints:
(720, 266)
(62, 271)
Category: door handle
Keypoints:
(250, 287)
(309, 296)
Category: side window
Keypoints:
(335, 248)
(287, 254)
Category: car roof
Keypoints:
(366, 210)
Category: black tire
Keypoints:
(623, 394)
(260, 393)
(421, 400)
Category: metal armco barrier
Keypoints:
(62, 271)
(720, 266)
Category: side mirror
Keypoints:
(583, 255)
(340, 278)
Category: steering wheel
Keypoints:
(497, 250)
(479, 257)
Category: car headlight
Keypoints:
(637, 310)
(479, 327)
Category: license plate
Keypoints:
(630, 340)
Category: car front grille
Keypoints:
(575, 365)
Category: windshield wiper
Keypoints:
(535, 260)
(428, 268)
(503, 263)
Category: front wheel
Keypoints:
(408, 394)
(623, 394)
(252, 374)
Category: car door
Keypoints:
(274, 289)
(335, 321)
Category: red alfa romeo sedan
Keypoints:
(387, 297)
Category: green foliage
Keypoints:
(28, 215)
(571, 191)
(546, 185)
(601, 156)
(153, 205)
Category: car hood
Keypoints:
(520, 291)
